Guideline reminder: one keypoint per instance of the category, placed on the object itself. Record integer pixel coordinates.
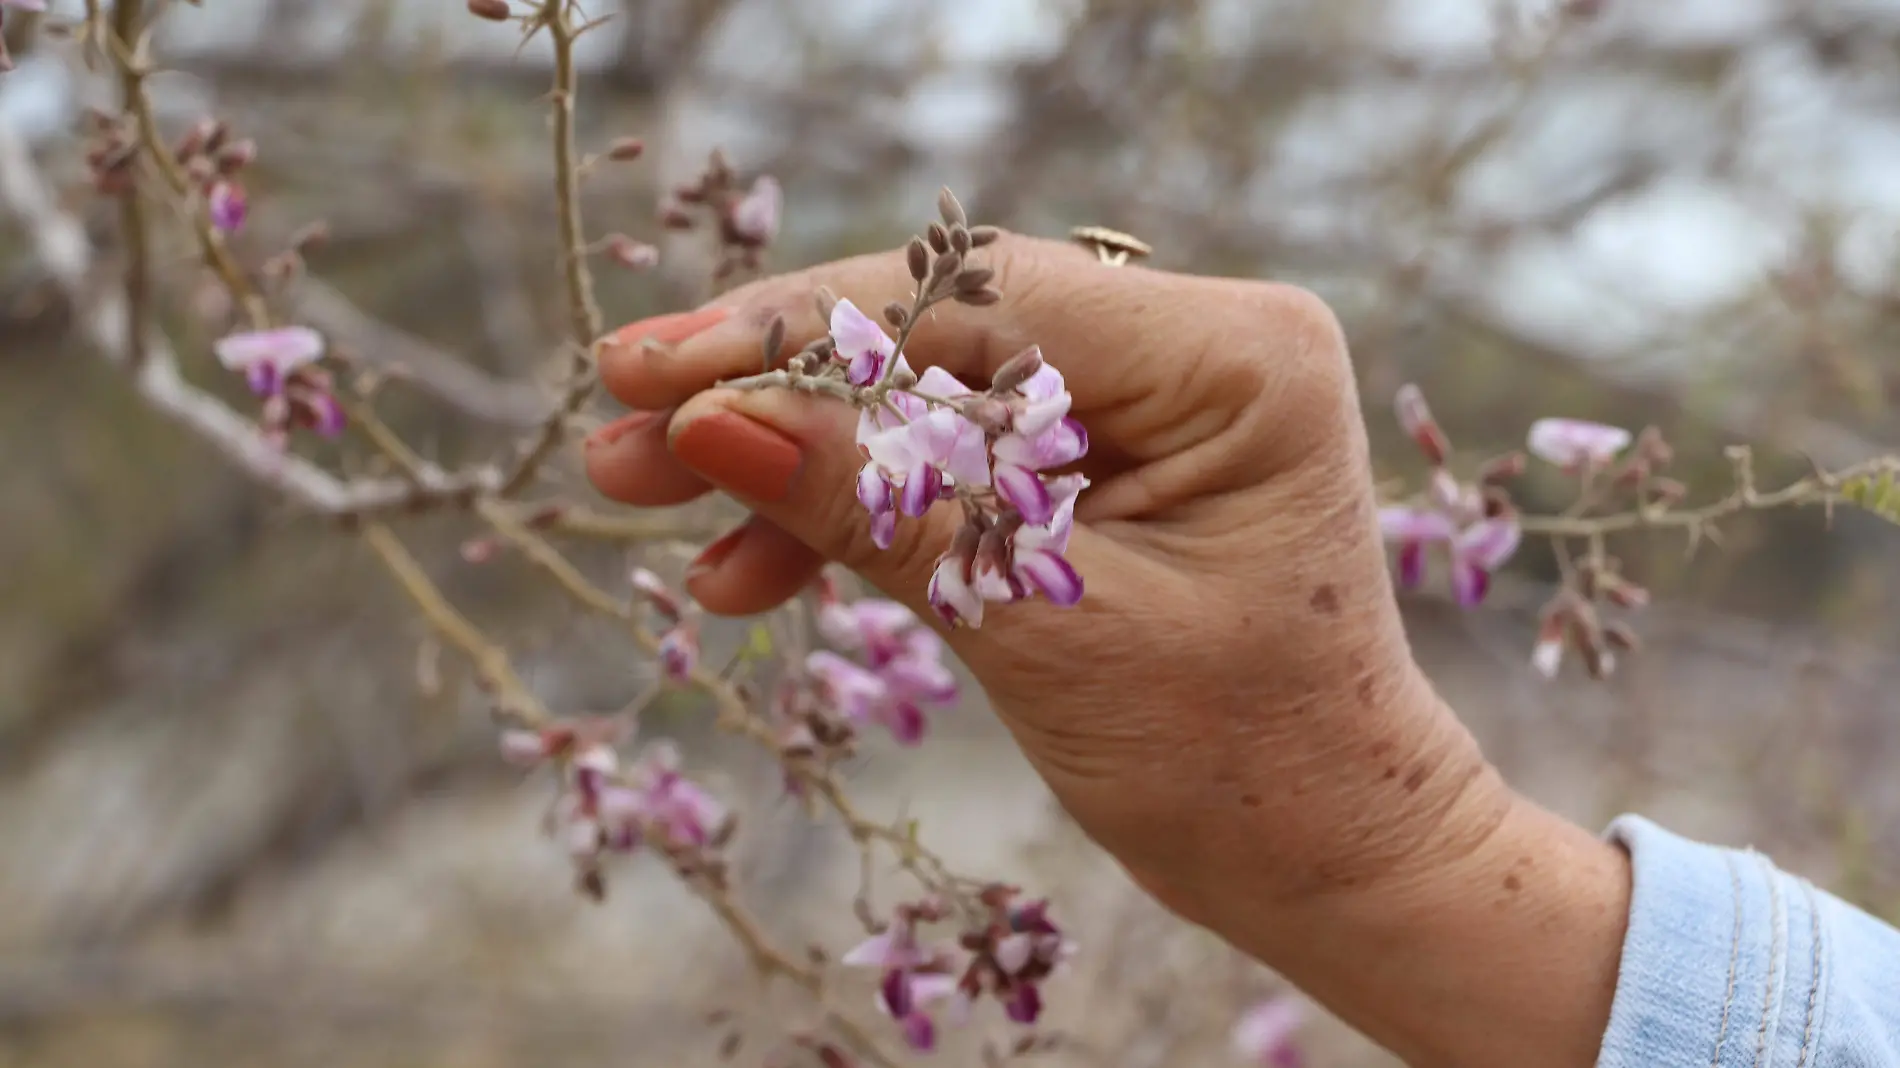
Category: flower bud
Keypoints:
(983, 235)
(917, 258)
(826, 301)
(631, 254)
(1503, 468)
(1415, 418)
(951, 211)
(626, 149)
(676, 217)
(492, 10)
(236, 156)
(939, 238)
(991, 414)
(974, 278)
(679, 651)
(896, 314)
(1016, 370)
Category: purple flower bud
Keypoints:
(227, 206)
(679, 651)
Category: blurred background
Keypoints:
(248, 816)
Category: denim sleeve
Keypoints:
(1732, 963)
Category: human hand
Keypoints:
(1232, 709)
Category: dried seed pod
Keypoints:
(896, 314)
(939, 238)
(492, 10)
(950, 209)
(917, 257)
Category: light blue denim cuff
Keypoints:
(1731, 963)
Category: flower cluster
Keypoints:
(899, 672)
(602, 810)
(746, 218)
(213, 160)
(1007, 958)
(280, 367)
(991, 450)
(1479, 525)
(1473, 522)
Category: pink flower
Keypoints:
(905, 675)
(1021, 458)
(1574, 444)
(1412, 529)
(914, 979)
(1476, 552)
(1268, 1034)
(227, 205)
(267, 357)
(861, 345)
(676, 805)
(756, 218)
(1042, 401)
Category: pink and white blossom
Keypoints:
(1412, 530)
(1575, 444)
(757, 215)
(266, 358)
(1477, 552)
(860, 344)
(1267, 1035)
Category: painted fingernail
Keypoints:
(715, 554)
(667, 329)
(739, 454)
(620, 428)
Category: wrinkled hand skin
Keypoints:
(1232, 711)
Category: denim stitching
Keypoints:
(1734, 959)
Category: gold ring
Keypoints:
(1111, 246)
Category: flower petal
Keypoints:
(1489, 543)
(954, 599)
(1050, 574)
(921, 486)
(1414, 525)
(1576, 442)
(1024, 491)
(285, 348)
(884, 529)
(1469, 583)
(874, 490)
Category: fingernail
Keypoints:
(742, 455)
(667, 329)
(620, 428)
(715, 554)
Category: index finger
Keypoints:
(1048, 288)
